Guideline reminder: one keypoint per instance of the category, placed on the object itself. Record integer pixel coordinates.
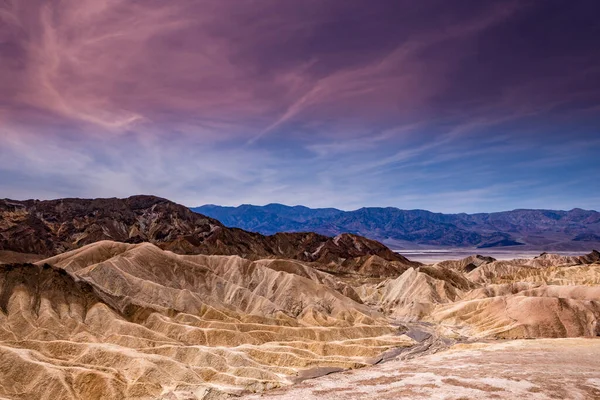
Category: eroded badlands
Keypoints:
(133, 321)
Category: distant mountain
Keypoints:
(269, 219)
(576, 229)
(55, 226)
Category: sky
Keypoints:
(451, 106)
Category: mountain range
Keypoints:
(51, 227)
(142, 298)
(576, 229)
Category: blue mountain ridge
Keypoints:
(575, 229)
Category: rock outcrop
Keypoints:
(55, 226)
(132, 321)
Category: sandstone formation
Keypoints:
(467, 264)
(143, 299)
(116, 320)
(548, 296)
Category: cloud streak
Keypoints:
(329, 103)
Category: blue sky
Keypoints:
(447, 106)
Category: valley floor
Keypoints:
(434, 255)
(537, 369)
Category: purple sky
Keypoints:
(444, 105)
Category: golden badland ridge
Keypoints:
(83, 317)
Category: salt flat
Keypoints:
(430, 256)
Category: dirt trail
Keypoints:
(429, 341)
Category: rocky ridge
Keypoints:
(575, 229)
(163, 303)
(55, 226)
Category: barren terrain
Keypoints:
(141, 313)
(521, 369)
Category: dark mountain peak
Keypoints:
(145, 199)
(486, 259)
(594, 256)
(54, 226)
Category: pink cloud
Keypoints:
(245, 70)
(210, 67)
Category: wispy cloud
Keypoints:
(322, 103)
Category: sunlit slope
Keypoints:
(113, 320)
(549, 296)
